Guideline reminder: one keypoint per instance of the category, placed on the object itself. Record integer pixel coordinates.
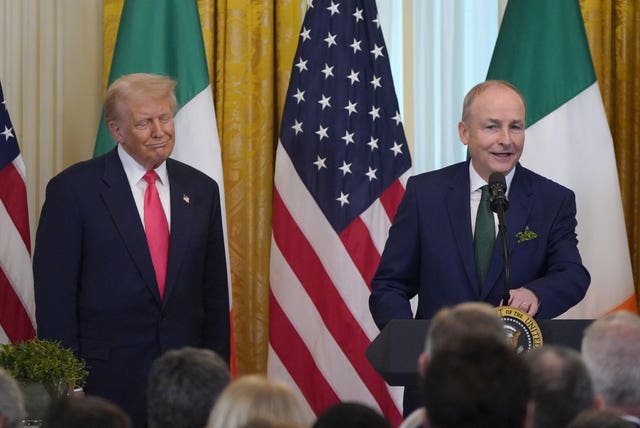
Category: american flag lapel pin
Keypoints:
(185, 198)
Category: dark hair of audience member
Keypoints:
(85, 412)
(183, 387)
(351, 415)
(477, 382)
(561, 383)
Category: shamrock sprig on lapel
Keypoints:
(526, 235)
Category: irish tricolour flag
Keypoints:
(164, 37)
(542, 48)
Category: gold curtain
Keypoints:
(613, 29)
(249, 46)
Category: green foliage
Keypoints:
(43, 361)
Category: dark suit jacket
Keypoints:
(95, 286)
(429, 251)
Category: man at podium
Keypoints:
(435, 250)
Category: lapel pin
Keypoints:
(185, 198)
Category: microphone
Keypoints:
(499, 204)
(498, 188)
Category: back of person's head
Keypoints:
(183, 386)
(561, 384)
(477, 381)
(610, 349)
(85, 412)
(11, 402)
(252, 396)
(461, 320)
(599, 419)
(265, 421)
(351, 415)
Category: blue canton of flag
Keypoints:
(8, 143)
(341, 124)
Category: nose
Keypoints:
(506, 136)
(156, 127)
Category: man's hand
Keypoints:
(524, 299)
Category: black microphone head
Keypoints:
(496, 180)
(497, 189)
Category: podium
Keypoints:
(394, 352)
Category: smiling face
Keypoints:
(144, 129)
(493, 129)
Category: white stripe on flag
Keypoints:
(15, 262)
(326, 244)
(277, 370)
(601, 228)
(310, 326)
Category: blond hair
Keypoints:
(254, 396)
(135, 86)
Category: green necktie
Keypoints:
(484, 237)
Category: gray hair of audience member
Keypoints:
(253, 396)
(611, 349)
(183, 387)
(351, 415)
(11, 402)
(463, 319)
(599, 419)
(83, 412)
(561, 384)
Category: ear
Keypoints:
(598, 402)
(423, 362)
(115, 131)
(463, 132)
(529, 415)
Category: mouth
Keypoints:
(156, 145)
(502, 155)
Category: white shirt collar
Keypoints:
(135, 171)
(476, 182)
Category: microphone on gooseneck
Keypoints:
(498, 190)
(499, 204)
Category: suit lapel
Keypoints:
(460, 218)
(520, 205)
(119, 201)
(181, 210)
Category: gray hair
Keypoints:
(611, 351)
(463, 319)
(11, 401)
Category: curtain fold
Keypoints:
(613, 29)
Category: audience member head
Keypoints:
(11, 402)
(252, 396)
(183, 386)
(561, 384)
(610, 349)
(462, 319)
(477, 382)
(351, 415)
(83, 412)
(599, 418)
(265, 421)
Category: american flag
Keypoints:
(17, 306)
(341, 166)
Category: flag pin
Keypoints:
(185, 198)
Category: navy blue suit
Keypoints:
(95, 286)
(429, 251)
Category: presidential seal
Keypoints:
(521, 329)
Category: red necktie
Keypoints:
(157, 229)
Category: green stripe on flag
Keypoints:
(162, 37)
(542, 49)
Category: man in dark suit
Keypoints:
(108, 283)
(430, 249)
